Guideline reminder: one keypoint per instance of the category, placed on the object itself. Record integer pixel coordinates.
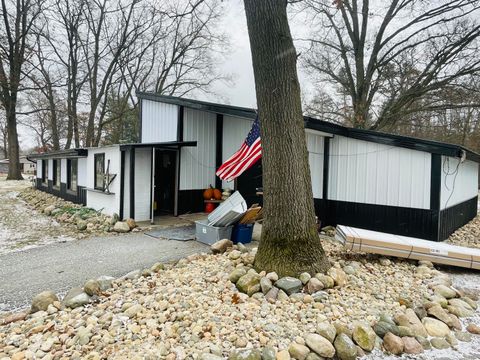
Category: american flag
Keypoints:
(245, 157)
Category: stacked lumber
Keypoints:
(407, 247)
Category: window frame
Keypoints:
(96, 186)
(57, 173)
(69, 175)
(45, 171)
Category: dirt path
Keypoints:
(21, 227)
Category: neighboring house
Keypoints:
(361, 178)
(28, 167)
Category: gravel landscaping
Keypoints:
(468, 235)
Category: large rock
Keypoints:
(247, 354)
(345, 348)
(289, 284)
(327, 330)
(435, 327)
(411, 346)
(221, 246)
(271, 295)
(249, 283)
(414, 323)
(320, 296)
(298, 351)
(121, 227)
(326, 280)
(320, 345)
(364, 336)
(445, 291)
(338, 275)
(105, 282)
(131, 223)
(473, 329)
(76, 297)
(314, 285)
(459, 311)
(92, 287)
(393, 344)
(265, 285)
(41, 301)
(438, 312)
(460, 303)
(382, 328)
(49, 209)
(440, 343)
(236, 274)
(473, 304)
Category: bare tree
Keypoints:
(3, 135)
(366, 47)
(290, 243)
(17, 25)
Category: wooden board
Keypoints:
(407, 247)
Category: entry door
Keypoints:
(165, 180)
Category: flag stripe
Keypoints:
(241, 159)
(234, 168)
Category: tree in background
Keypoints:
(388, 57)
(290, 244)
(16, 28)
(121, 122)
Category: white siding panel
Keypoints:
(63, 170)
(107, 203)
(50, 169)
(39, 168)
(459, 181)
(197, 165)
(159, 121)
(235, 130)
(371, 173)
(315, 146)
(143, 164)
(84, 172)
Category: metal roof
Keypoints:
(159, 145)
(68, 153)
(435, 147)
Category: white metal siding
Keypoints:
(39, 168)
(143, 177)
(159, 121)
(197, 165)
(235, 130)
(84, 172)
(372, 173)
(63, 170)
(126, 186)
(50, 169)
(107, 203)
(315, 146)
(459, 181)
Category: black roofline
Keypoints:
(160, 145)
(408, 142)
(69, 153)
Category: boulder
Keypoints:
(289, 284)
(246, 354)
(438, 312)
(405, 331)
(131, 223)
(326, 280)
(320, 345)
(283, 355)
(304, 277)
(456, 324)
(345, 348)
(338, 275)
(268, 353)
(473, 329)
(463, 336)
(414, 323)
(327, 330)
(411, 345)
(435, 327)
(76, 297)
(451, 339)
(473, 304)
(445, 291)
(314, 285)
(157, 267)
(92, 287)
(236, 274)
(121, 227)
(320, 296)
(364, 336)
(105, 282)
(81, 225)
(459, 311)
(221, 246)
(271, 295)
(313, 356)
(208, 356)
(440, 343)
(249, 283)
(393, 344)
(41, 301)
(424, 342)
(460, 303)
(265, 284)
(298, 351)
(382, 328)
(49, 209)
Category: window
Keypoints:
(45, 171)
(99, 171)
(56, 173)
(72, 168)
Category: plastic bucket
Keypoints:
(242, 233)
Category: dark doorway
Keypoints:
(165, 181)
(249, 181)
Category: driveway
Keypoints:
(60, 266)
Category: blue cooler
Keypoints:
(242, 233)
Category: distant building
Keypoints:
(28, 167)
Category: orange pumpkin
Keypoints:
(208, 193)
(217, 194)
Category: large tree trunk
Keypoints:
(290, 243)
(14, 169)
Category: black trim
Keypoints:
(190, 201)
(180, 120)
(326, 167)
(61, 154)
(140, 118)
(132, 183)
(169, 145)
(122, 184)
(152, 180)
(218, 148)
(324, 126)
(456, 216)
(419, 223)
(435, 181)
(77, 197)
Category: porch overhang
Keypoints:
(168, 145)
(69, 153)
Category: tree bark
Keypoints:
(290, 243)
(14, 169)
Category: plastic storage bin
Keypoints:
(208, 234)
(242, 233)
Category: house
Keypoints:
(362, 178)
(28, 167)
